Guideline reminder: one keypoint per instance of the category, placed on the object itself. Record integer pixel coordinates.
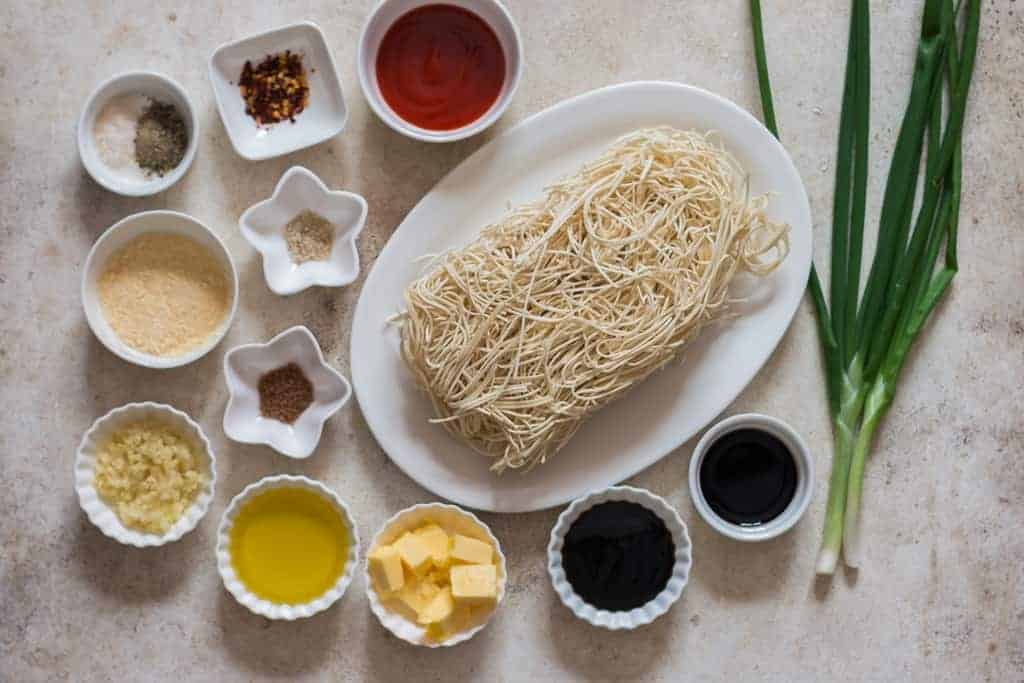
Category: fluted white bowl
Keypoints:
(99, 512)
(452, 519)
(638, 616)
(241, 592)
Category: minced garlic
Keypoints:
(164, 294)
(149, 474)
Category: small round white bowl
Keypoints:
(639, 616)
(243, 367)
(247, 598)
(157, 87)
(452, 519)
(263, 225)
(381, 18)
(97, 510)
(804, 480)
(117, 236)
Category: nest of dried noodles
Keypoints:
(570, 301)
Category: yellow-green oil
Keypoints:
(288, 545)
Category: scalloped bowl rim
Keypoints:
(95, 507)
(247, 598)
(660, 604)
(384, 615)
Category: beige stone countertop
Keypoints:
(941, 594)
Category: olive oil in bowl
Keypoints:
(289, 545)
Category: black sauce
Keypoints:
(748, 477)
(618, 555)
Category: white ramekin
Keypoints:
(247, 598)
(448, 517)
(381, 18)
(157, 87)
(804, 477)
(639, 616)
(120, 234)
(101, 514)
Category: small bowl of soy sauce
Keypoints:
(751, 477)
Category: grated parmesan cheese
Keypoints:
(164, 294)
(149, 474)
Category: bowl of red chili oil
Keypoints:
(439, 71)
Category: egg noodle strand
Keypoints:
(568, 302)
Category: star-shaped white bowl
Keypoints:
(263, 227)
(243, 367)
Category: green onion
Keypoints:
(865, 338)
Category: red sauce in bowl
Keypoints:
(440, 67)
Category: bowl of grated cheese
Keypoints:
(159, 289)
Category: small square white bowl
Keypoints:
(263, 226)
(243, 367)
(324, 116)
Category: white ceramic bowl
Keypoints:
(453, 520)
(157, 87)
(639, 616)
(325, 114)
(247, 598)
(263, 226)
(117, 236)
(804, 481)
(492, 12)
(243, 367)
(99, 513)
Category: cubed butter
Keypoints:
(437, 541)
(414, 552)
(386, 568)
(471, 550)
(417, 595)
(439, 609)
(474, 583)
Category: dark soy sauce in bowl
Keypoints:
(618, 555)
(748, 477)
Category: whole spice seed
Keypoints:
(309, 237)
(276, 89)
(160, 139)
(285, 393)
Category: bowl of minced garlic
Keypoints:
(435, 575)
(159, 289)
(145, 474)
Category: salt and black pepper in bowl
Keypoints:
(282, 392)
(138, 133)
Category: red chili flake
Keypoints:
(276, 89)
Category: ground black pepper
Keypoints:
(276, 89)
(161, 139)
(285, 393)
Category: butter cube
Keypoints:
(474, 582)
(439, 609)
(414, 552)
(437, 541)
(418, 595)
(386, 568)
(470, 550)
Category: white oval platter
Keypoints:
(660, 414)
